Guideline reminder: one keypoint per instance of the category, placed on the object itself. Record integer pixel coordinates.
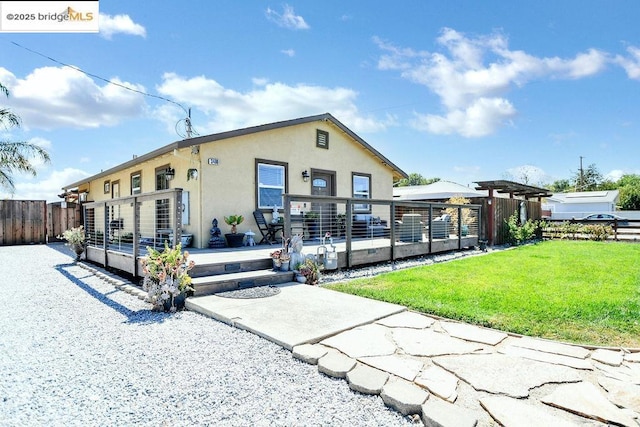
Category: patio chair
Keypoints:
(267, 229)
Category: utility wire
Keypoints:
(100, 78)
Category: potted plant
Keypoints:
(234, 239)
(275, 257)
(75, 238)
(311, 271)
(166, 277)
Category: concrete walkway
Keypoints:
(441, 372)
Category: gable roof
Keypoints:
(185, 143)
(608, 196)
(438, 190)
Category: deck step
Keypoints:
(208, 285)
(226, 268)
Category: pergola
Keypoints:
(514, 189)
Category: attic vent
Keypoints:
(322, 139)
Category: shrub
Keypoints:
(597, 232)
(520, 233)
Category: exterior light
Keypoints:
(169, 173)
(305, 176)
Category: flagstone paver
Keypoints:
(429, 343)
(309, 353)
(503, 374)
(439, 382)
(473, 333)
(589, 401)
(622, 393)
(632, 357)
(402, 366)
(608, 357)
(407, 319)
(511, 412)
(366, 379)
(335, 364)
(368, 340)
(541, 356)
(550, 347)
(438, 413)
(403, 396)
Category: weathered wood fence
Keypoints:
(60, 217)
(23, 222)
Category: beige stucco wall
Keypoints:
(229, 186)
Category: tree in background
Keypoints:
(16, 156)
(560, 186)
(588, 179)
(415, 179)
(629, 186)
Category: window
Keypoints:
(136, 183)
(271, 184)
(107, 187)
(361, 190)
(322, 139)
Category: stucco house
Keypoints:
(580, 204)
(240, 171)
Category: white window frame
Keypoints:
(260, 185)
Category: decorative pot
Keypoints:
(234, 240)
(178, 302)
(300, 278)
(284, 266)
(276, 264)
(78, 249)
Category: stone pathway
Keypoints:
(452, 374)
(447, 374)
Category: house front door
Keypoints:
(323, 184)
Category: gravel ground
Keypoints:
(75, 351)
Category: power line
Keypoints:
(188, 112)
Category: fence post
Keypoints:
(349, 230)
(177, 217)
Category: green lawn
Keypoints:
(575, 291)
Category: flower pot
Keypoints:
(178, 302)
(234, 240)
(284, 266)
(276, 264)
(300, 278)
(78, 249)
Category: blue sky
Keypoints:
(461, 90)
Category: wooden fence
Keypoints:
(60, 217)
(23, 222)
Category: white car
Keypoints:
(605, 217)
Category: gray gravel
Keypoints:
(75, 351)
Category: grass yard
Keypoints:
(575, 291)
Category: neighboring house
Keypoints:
(239, 171)
(581, 204)
(439, 191)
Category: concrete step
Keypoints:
(207, 285)
(224, 268)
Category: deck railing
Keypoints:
(382, 230)
(119, 230)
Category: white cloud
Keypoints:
(44, 188)
(528, 174)
(287, 19)
(119, 24)
(614, 175)
(631, 64)
(228, 109)
(472, 75)
(289, 52)
(54, 97)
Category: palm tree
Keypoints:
(16, 156)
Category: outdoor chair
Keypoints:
(267, 229)
(410, 228)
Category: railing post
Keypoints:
(392, 231)
(136, 235)
(287, 230)
(177, 220)
(459, 227)
(349, 230)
